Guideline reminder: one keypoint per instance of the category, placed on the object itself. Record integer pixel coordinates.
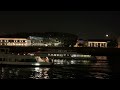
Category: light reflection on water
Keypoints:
(92, 70)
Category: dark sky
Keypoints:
(88, 24)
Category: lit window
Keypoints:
(52, 55)
(64, 54)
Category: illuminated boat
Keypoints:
(68, 58)
(45, 58)
(66, 55)
(12, 59)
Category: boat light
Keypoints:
(37, 64)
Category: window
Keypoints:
(15, 60)
(3, 59)
(2, 50)
(98, 44)
(102, 44)
(92, 44)
(0, 59)
(10, 40)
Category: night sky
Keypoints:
(86, 24)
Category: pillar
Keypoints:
(105, 44)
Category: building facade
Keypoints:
(92, 43)
(30, 41)
(15, 42)
(45, 39)
(40, 41)
(96, 44)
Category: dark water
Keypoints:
(100, 69)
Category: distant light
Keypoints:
(46, 45)
(37, 64)
(107, 35)
(72, 62)
(38, 69)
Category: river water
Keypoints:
(100, 69)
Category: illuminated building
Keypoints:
(93, 43)
(15, 42)
(31, 41)
(41, 41)
(96, 44)
(48, 39)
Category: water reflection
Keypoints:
(24, 73)
(40, 73)
(86, 69)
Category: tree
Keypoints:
(112, 44)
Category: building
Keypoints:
(103, 43)
(30, 41)
(15, 42)
(48, 39)
(42, 41)
(79, 43)
(96, 43)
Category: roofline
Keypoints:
(13, 38)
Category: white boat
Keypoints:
(66, 55)
(12, 59)
(45, 58)
(67, 58)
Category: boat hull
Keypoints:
(26, 63)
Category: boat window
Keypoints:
(2, 50)
(30, 60)
(3, 59)
(0, 59)
(15, 60)
(10, 59)
(10, 40)
(22, 60)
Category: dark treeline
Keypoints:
(38, 34)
